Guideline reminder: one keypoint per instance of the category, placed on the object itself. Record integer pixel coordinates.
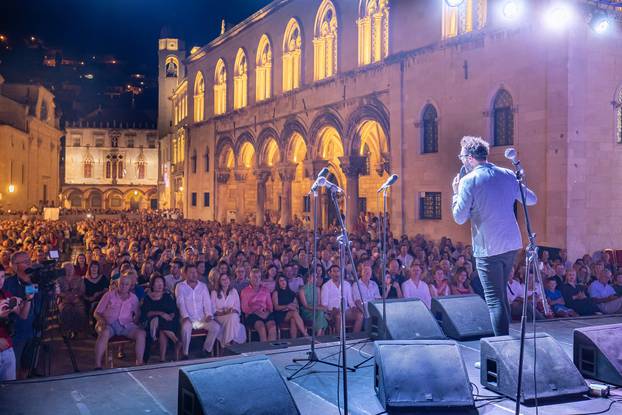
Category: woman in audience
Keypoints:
(575, 295)
(439, 287)
(556, 300)
(146, 270)
(617, 284)
(461, 285)
(80, 267)
(95, 285)
(270, 278)
(286, 308)
(226, 303)
(256, 303)
(305, 297)
(71, 301)
(393, 287)
(160, 311)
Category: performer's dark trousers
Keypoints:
(493, 273)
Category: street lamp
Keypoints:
(11, 188)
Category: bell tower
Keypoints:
(171, 71)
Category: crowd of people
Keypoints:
(155, 279)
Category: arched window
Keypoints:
(325, 41)
(120, 168)
(466, 17)
(43, 113)
(429, 129)
(618, 107)
(263, 71)
(108, 169)
(199, 98)
(141, 165)
(373, 25)
(220, 88)
(503, 119)
(206, 159)
(240, 81)
(193, 161)
(88, 169)
(172, 67)
(292, 55)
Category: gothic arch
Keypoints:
(223, 145)
(328, 118)
(375, 111)
(293, 125)
(264, 138)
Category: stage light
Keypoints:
(511, 10)
(135, 192)
(600, 22)
(454, 3)
(558, 16)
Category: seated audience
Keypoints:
(195, 310)
(461, 285)
(306, 298)
(286, 307)
(9, 305)
(331, 300)
(160, 312)
(366, 289)
(95, 285)
(604, 295)
(226, 303)
(118, 314)
(256, 303)
(575, 295)
(556, 300)
(414, 287)
(439, 287)
(617, 284)
(393, 287)
(80, 267)
(71, 301)
(174, 277)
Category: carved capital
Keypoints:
(287, 171)
(312, 168)
(262, 175)
(384, 165)
(352, 166)
(241, 174)
(222, 176)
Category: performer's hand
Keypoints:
(456, 183)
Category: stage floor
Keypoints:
(153, 389)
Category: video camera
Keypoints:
(45, 274)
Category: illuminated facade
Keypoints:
(111, 162)
(373, 87)
(30, 135)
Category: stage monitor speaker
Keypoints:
(406, 319)
(598, 352)
(463, 317)
(422, 375)
(234, 387)
(556, 376)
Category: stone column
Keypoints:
(240, 177)
(287, 173)
(312, 169)
(222, 177)
(352, 168)
(262, 175)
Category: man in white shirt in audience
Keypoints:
(413, 287)
(366, 290)
(195, 310)
(174, 277)
(331, 299)
(604, 295)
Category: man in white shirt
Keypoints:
(604, 295)
(405, 258)
(413, 287)
(195, 310)
(294, 281)
(174, 277)
(331, 299)
(366, 290)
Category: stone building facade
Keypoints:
(30, 137)
(111, 162)
(373, 87)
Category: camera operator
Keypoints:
(20, 285)
(9, 304)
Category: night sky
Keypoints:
(126, 29)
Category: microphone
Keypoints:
(390, 182)
(511, 155)
(322, 174)
(463, 172)
(324, 182)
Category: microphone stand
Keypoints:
(383, 227)
(312, 355)
(531, 263)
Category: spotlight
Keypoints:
(511, 9)
(454, 3)
(558, 16)
(600, 22)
